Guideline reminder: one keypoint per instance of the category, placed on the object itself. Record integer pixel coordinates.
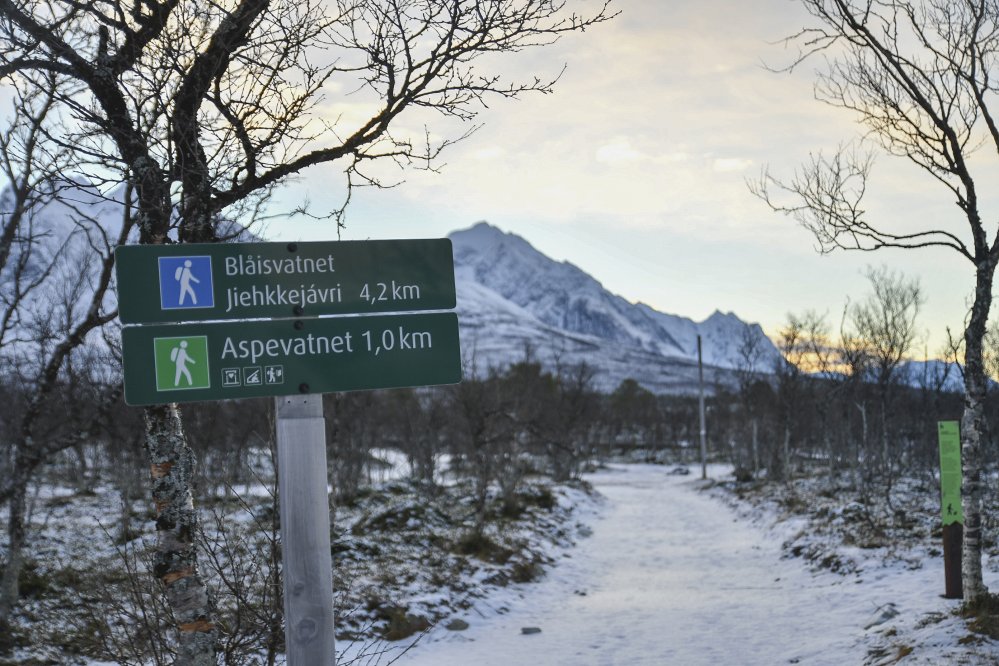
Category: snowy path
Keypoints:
(670, 577)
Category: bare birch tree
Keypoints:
(55, 272)
(886, 323)
(921, 76)
(208, 106)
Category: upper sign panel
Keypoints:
(198, 282)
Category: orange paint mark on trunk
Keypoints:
(174, 576)
(197, 625)
(159, 470)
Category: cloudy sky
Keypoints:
(635, 170)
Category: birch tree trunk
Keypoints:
(972, 427)
(9, 588)
(756, 448)
(786, 449)
(175, 564)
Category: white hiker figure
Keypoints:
(179, 356)
(185, 277)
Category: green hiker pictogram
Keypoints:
(181, 363)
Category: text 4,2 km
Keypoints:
(398, 339)
(389, 291)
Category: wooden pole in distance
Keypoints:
(305, 530)
(700, 409)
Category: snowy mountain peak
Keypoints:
(481, 234)
(512, 297)
(490, 252)
(483, 238)
(718, 315)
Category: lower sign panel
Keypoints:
(224, 360)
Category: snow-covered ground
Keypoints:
(671, 575)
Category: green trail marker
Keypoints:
(215, 281)
(949, 435)
(223, 360)
(951, 513)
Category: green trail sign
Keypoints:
(222, 360)
(282, 345)
(949, 435)
(216, 281)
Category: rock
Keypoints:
(456, 625)
(530, 630)
(883, 614)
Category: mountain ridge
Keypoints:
(567, 316)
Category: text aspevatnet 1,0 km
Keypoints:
(215, 361)
(388, 339)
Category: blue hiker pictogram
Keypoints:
(186, 282)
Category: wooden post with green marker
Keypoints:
(949, 433)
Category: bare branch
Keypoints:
(826, 198)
